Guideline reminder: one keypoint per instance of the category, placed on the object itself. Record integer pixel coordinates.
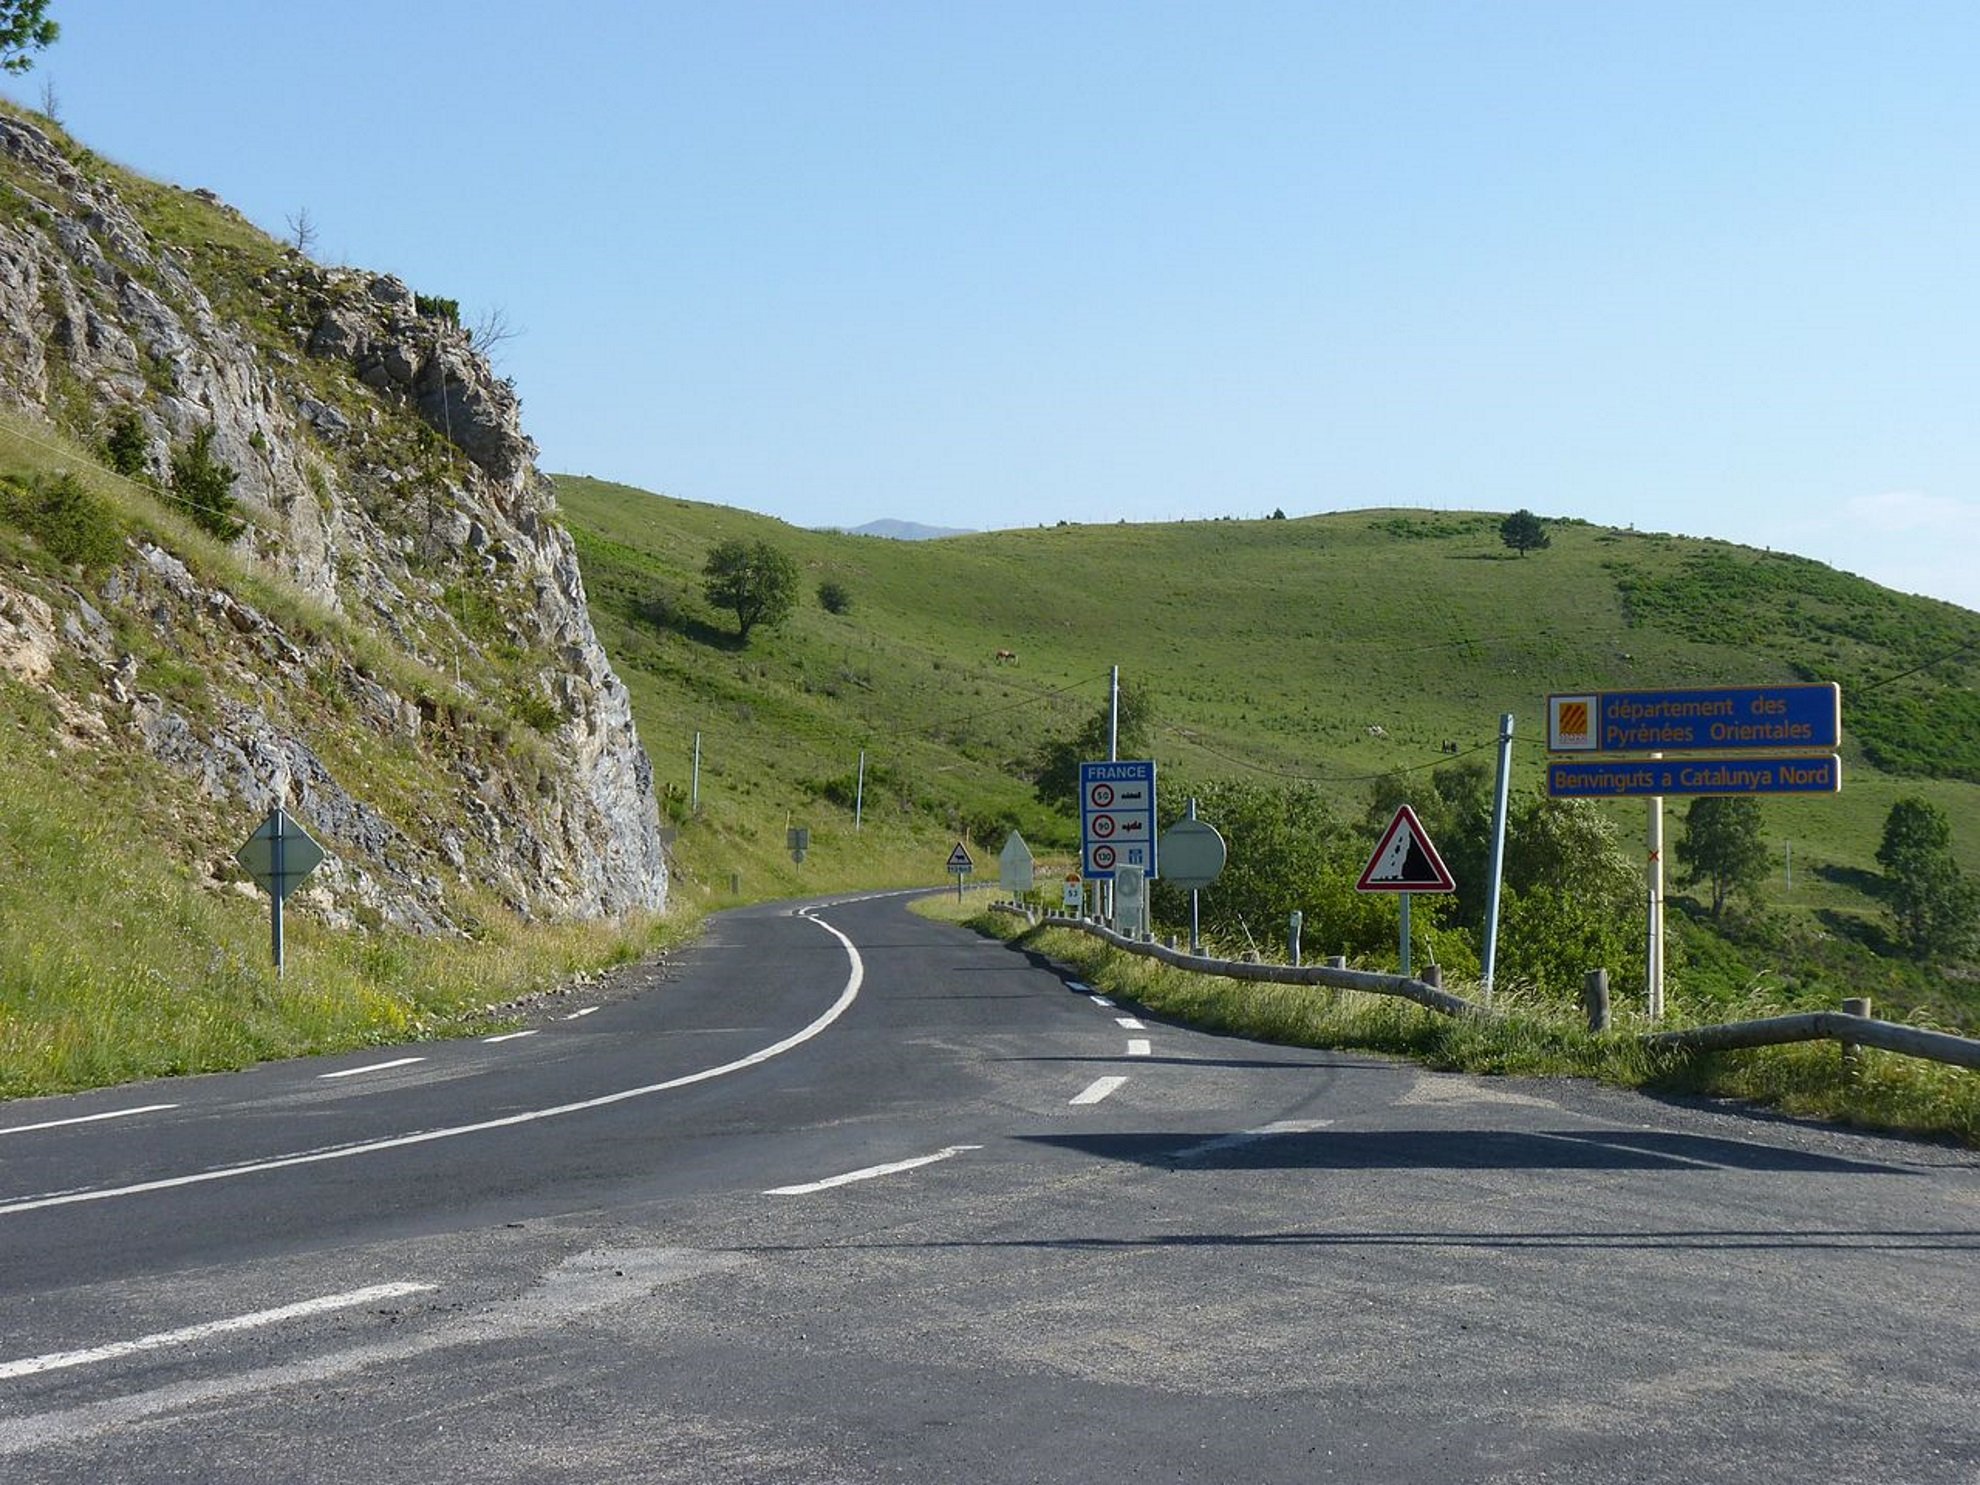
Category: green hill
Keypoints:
(1336, 649)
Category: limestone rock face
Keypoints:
(383, 472)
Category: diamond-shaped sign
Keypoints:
(279, 854)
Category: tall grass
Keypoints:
(117, 962)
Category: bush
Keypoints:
(71, 524)
(206, 486)
(126, 448)
(833, 596)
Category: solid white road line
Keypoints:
(855, 976)
(507, 1036)
(1098, 1089)
(1138, 1046)
(351, 1072)
(1250, 1136)
(1129, 1022)
(870, 1172)
(57, 1360)
(149, 1108)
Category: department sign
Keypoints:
(1749, 719)
(1640, 778)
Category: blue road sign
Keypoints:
(1636, 778)
(1116, 818)
(1715, 720)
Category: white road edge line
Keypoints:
(590, 1008)
(1098, 1089)
(507, 1036)
(351, 1072)
(894, 1168)
(1138, 1046)
(57, 1360)
(855, 976)
(149, 1108)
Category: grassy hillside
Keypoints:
(1335, 648)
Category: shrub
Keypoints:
(834, 597)
(126, 448)
(71, 524)
(206, 485)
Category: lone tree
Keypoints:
(1722, 847)
(24, 28)
(1055, 769)
(754, 580)
(1935, 906)
(1524, 532)
(206, 486)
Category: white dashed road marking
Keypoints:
(869, 1173)
(1138, 1046)
(371, 1067)
(57, 1360)
(1098, 1089)
(149, 1108)
(1249, 1137)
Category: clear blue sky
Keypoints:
(1696, 267)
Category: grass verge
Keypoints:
(1887, 1092)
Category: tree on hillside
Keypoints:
(1936, 907)
(207, 487)
(752, 579)
(1524, 532)
(1055, 769)
(1722, 847)
(24, 28)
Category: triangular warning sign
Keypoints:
(959, 859)
(1405, 861)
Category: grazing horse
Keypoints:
(1007, 657)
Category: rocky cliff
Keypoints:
(395, 644)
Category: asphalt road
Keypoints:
(847, 1195)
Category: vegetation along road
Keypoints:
(846, 1194)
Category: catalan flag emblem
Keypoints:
(1571, 722)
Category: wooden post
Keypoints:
(1433, 976)
(1852, 1054)
(1595, 998)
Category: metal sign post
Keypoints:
(1193, 856)
(278, 856)
(961, 864)
(1759, 740)
(1405, 862)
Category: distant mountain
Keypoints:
(902, 530)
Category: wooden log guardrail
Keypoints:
(1841, 1026)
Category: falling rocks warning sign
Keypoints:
(1405, 860)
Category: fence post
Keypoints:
(1595, 997)
(1433, 976)
(1852, 1054)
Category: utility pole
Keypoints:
(694, 786)
(1498, 852)
(859, 791)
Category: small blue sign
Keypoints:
(1116, 818)
(1716, 720)
(1642, 778)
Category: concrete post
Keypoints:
(1595, 999)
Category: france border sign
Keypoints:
(1785, 718)
(1644, 778)
(1116, 818)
